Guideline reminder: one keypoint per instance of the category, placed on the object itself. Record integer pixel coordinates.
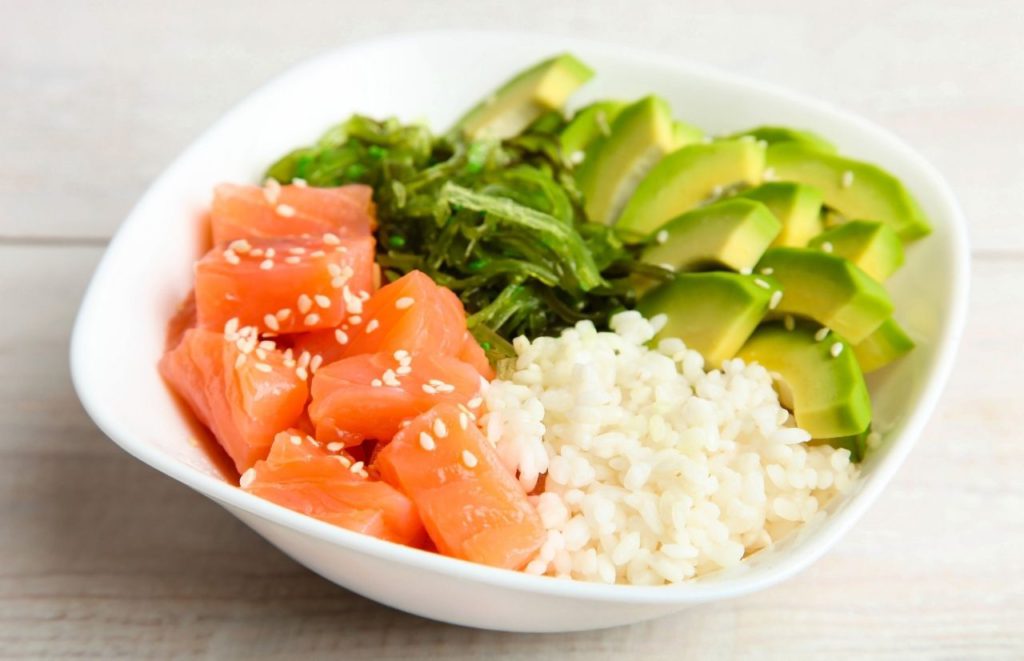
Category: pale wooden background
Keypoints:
(102, 557)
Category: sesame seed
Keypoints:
(463, 420)
(315, 363)
(312, 319)
(469, 459)
(775, 299)
(270, 321)
(271, 190)
(289, 354)
(297, 250)
(402, 370)
(767, 270)
(256, 252)
(826, 246)
(464, 409)
(440, 429)
(338, 282)
(667, 266)
(364, 296)
(295, 440)
(355, 320)
(247, 478)
(376, 383)
(789, 322)
(761, 283)
(475, 402)
(240, 246)
(390, 379)
(268, 345)
(231, 327)
(271, 252)
(267, 264)
(301, 373)
(261, 354)
(263, 367)
(285, 210)
(400, 355)
(292, 259)
(769, 174)
(304, 303)
(239, 361)
(404, 302)
(341, 336)
(746, 270)
(717, 191)
(577, 157)
(847, 179)
(231, 258)
(343, 460)
(821, 334)
(429, 389)
(427, 441)
(317, 254)
(331, 239)
(333, 269)
(304, 358)
(301, 183)
(836, 349)
(283, 314)
(356, 467)
(662, 236)
(335, 447)
(322, 301)
(372, 325)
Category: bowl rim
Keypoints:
(788, 564)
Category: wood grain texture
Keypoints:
(102, 557)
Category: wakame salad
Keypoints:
(585, 341)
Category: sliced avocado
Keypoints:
(713, 313)
(589, 124)
(871, 245)
(888, 343)
(829, 398)
(640, 136)
(689, 176)
(828, 289)
(686, 134)
(732, 233)
(797, 206)
(777, 134)
(530, 93)
(853, 188)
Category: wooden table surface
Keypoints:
(102, 557)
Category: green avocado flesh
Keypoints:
(589, 124)
(689, 176)
(828, 289)
(887, 344)
(777, 134)
(872, 246)
(640, 137)
(513, 106)
(797, 206)
(713, 313)
(853, 188)
(829, 396)
(732, 233)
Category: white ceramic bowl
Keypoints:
(147, 269)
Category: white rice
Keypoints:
(657, 471)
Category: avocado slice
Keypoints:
(516, 104)
(732, 233)
(587, 125)
(888, 343)
(871, 245)
(829, 289)
(685, 134)
(689, 176)
(777, 134)
(797, 206)
(853, 188)
(713, 313)
(640, 136)
(822, 380)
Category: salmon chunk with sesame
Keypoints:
(273, 210)
(243, 389)
(470, 504)
(288, 285)
(326, 483)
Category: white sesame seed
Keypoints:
(247, 478)
(231, 258)
(469, 459)
(301, 373)
(343, 460)
(268, 345)
(261, 353)
(847, 179)
(315, 363)
(295, 439)
(285, 210)
(761, 283)
(767, 270)
(427, 441)
(301, 183)
(270, 321)
(364, 295)
(304, 303)
(836, 349)
(338, 282)
(402, 370)
(746, 270)
(769, 174)
(312, 319)
(789, 322)
(404, 302)
(340, 336)
(475, 402)
(429, 389)
(323, 301)
(283, 314)
(292, 259)
(775, 299)
(256, 252)
(826, 246)
(333, 269)
(270, 252)
(372, 325)
(376, 383)
(317, 254)
(331, 239)
(335, 447)
(463, 420)
(661, 236)
(263, 367)
(667, 266)
(304, 358)
(267, 264)
(240, 246)
(239, 361)
(357, 467)
(297, 250)
(231, 327)
(821, 334)
(355, 320)
(400, 355)
(271, 190)
(440, 429)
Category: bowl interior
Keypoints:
(148, 267)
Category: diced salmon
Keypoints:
(248, 212)
(244, 393)
(471, 352)
(184, 318)
(303, 475)
(371, 395)
(470, 504)
(288, 285)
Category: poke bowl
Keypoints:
(511, 414)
